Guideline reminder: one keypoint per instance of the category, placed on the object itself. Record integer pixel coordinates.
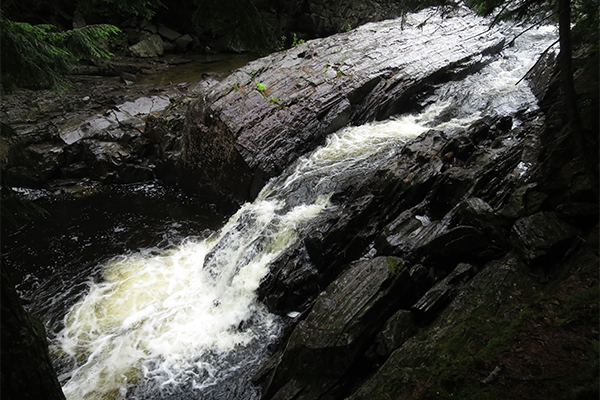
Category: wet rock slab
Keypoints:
(323, 346)
(265, 115)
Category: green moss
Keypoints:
(396, 266)
(466, 348)
(581, 307)
(505, 335)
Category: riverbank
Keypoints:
(422, 267)
(93, 132)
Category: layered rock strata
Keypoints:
(249, 127)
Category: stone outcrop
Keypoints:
(250, 126)
(94, 138)
(499, 229)
(454, 226)
(323, 346)
(245, 129)
(27, 371)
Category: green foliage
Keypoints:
(261, 88)
(281, 45)
(35, 56)
(296, 42)
(85, 42)
(29, 59)
(275, 100)
(142, 8)
(239, 22)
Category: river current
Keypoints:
(179, 318)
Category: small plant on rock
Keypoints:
(262, 88)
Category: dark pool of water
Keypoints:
(52, 258)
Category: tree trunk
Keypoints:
(582, 137)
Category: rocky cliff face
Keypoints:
(449, 231)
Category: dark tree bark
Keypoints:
(566, 62)
(582, 137)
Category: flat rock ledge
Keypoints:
(249, 127)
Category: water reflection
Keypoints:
(219, 65)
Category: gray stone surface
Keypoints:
(152, 46)
(168, 33)
(278, 107)
(323, 346)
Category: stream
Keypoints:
(147, 293)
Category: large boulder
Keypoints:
(250, 126)
(150, 46)
(27, 371)
(323, 346)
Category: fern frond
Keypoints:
(36, 57)
(87, 41)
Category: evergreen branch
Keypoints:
(35, 57)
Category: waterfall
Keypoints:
(160, 319)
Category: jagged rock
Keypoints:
(390, 211)
(440, 295)
(524, 201)
(470, 230)
(168, 33)
(478, 213)
(487, 289)
(128, 78)
(323, 346)
(540, 76)
(152, 46)
(75, 170)
(293, 280)
(182, 42)
(148, 26)
(581, 213)
(50, 156)
(541, 233)
(394, 333)
(168, 47)
(276, 108)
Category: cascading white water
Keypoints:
(156, 315)
(169, 317)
